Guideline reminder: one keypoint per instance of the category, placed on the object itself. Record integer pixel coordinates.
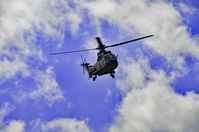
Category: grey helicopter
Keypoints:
(106, 61)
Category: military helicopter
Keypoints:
(106, 60)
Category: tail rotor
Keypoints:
(83, 63)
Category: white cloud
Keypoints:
(147, 17)
(66, 125)
(61, 125)
(134, 74)
(4, 110)
(17, 18)
(186, 9)
(47, 87)
(20, 20)
(17, 67)
(151, 104)
(13, 125)
(156, 107)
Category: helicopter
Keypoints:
(106, 60)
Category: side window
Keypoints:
(106, 57)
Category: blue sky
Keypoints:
(156, 81)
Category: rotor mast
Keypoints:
(101, 46)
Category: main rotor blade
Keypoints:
(68, 52)
(128, 41)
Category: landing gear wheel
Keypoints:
(112, 75)
(94, 78)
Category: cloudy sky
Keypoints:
(157, 82)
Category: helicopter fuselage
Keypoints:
(106, 64)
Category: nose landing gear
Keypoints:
(94, 78)
(112, 74)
